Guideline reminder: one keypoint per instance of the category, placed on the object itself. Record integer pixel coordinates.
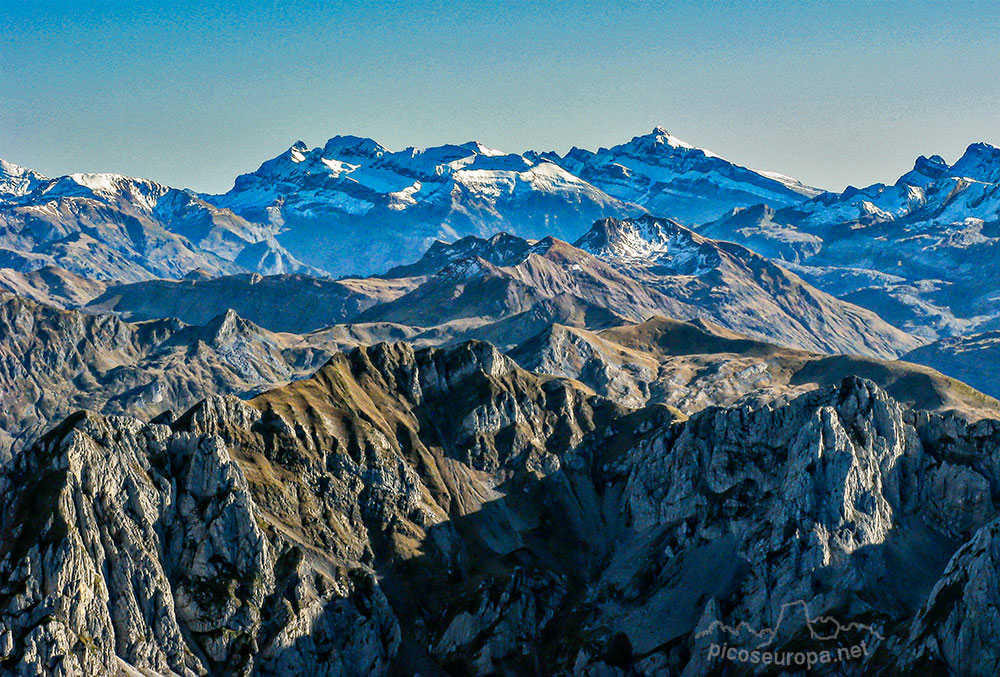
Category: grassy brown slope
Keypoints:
(668, 352)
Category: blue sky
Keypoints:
(194, 93)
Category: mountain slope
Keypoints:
(52, 286)
(918, 252)
(972, 359)
(53, 362)
(490, 289)
(671, 178)
(696, 365)
(292, 303)
(739, 289)
(112, 227)
(441, 508)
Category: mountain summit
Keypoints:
(353, 194)
(353, 206)
(670, 177)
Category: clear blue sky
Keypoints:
(194, 93)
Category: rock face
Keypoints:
(53, 362)
(443, 511)
(161, 561)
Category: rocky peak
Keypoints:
(926, 170)
(228, 327)
(16, 181)
(981, 162)
(353, 147)
(638, 238)
(749, 215)
(657, 144)
(501, 249)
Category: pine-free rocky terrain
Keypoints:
(445, 511)
(454, 411)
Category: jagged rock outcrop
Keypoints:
(146, 549)
(53, 362)
(444, 511)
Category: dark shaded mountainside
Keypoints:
(444, 511)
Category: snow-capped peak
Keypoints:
(16, 180)
(629, 238)
(110, 187)
(480, 149)
(649, 241)
(662, 136)
(981, 162)
(353, 146)
(656, 142)
(297, 151)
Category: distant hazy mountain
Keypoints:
(671, 178)
(353, 195)
(354, 207)
(112, 227)
(619, 270)
(920, 252)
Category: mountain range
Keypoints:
(917, 252)
(448, 512)
(352, 206)
(618, 270)
(454, 411)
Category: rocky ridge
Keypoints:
(505, 289)
(445, 510)
(53, 362)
